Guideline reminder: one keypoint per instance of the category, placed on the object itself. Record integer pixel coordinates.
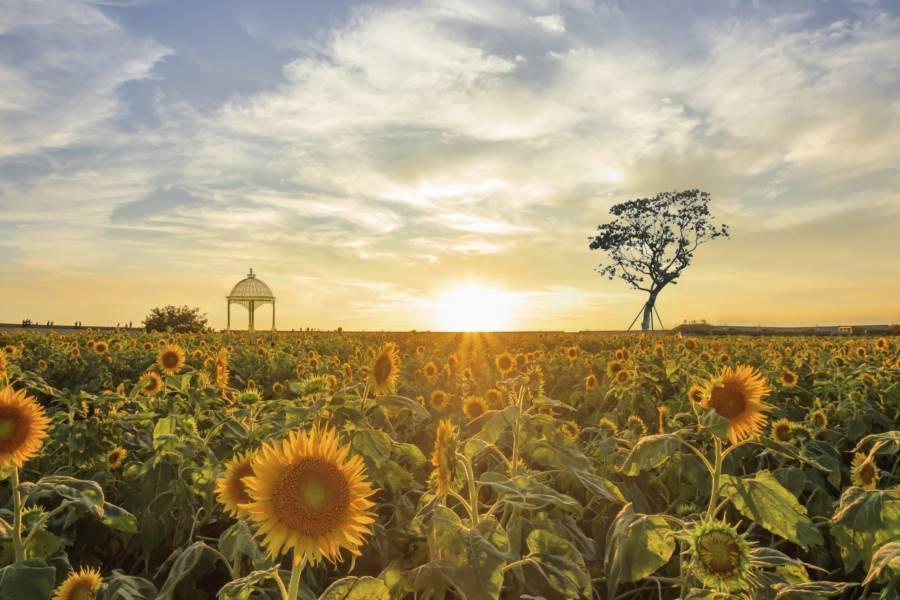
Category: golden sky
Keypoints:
(438, 164)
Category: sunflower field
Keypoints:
(472, 466)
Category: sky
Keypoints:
(401, 165)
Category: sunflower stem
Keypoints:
(18, 546)
(717, 474)
(294, 585)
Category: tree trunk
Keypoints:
(647, 322)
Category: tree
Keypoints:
(175, 318)
(652, 240)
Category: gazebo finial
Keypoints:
(251, 275)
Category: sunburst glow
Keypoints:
(476, 307)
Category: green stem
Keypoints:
(294, 585)
(514, 462)
(717, 474)
(18, 546)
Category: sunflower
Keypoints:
(864, 472)
(82, 585)
(439, 399)
(474, 406)
(697, 393)
(430, 370)
(570, 429)
(590, 382)
(223, 374)
(277, 389)
(10, 350)
(622, 354)
(607, 426)
(789, 379)
(386, 369)
(250, 396)
(623, 376)
(115, 457)
(736, 394)
(2, 364)
(101, 347)
(613, 367)
(170, 359)
(151, 382)
(637, 425)
(443, 459)
(310, 496)
(721, 557)
(505, 363)
(347, 368)
(23, 427)
(572, 352)
(494, 397)
(819, 418)
(881, 343)
(782, 430)
(231, 489)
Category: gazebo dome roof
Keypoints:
(251, 288)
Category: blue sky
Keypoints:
(368, 159)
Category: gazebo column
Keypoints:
(251, 309)
(273, 315)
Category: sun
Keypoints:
(474, 307)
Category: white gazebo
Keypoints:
(251, 293)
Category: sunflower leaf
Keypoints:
(356, 588)
(864, 521)
(765, 501)
(650, 452)
(27, 579)
(636, 546)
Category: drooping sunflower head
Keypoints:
(81, 585)
(23, 427)
(505, 363)
(783, 430)
(590, 382)
(607, 426)
(443, 459)
(115, 457)
(864, 471)
(439, 399)
(386, 369)
(170, 359)
(310, 495)
(249, 396)
(231, 489)
(474, 406)
(223, 374)
(736, 394)
(721, 557)
(430, 370)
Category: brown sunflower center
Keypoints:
(170, 359)
(782, 432)
(14, 428)
(505, 363)
(867, 473)
(312, 497)
(719, 552)
(383, 369)
(728, 399)
(474, 409)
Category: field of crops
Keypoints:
(351, 466)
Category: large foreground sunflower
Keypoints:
(23, 427)
(443, 458)
(231, 489)
(736, 394)
(721, 557)
(80, 585)
(311, 496)
(386, 368)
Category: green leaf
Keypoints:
(886, 558)
(560, 563)
(650, 452)
(889, 439)
(257, 581)
(527, 493)
(716, 424)
(470, 559)
(27, 579)
(237, 541)
(193, 563)
(399, 403)
(600, 487)
(118, 586)
(813, 590)
(356, 588)
(636, 546)
(864, 521)
(119, 519)
(765, 501)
